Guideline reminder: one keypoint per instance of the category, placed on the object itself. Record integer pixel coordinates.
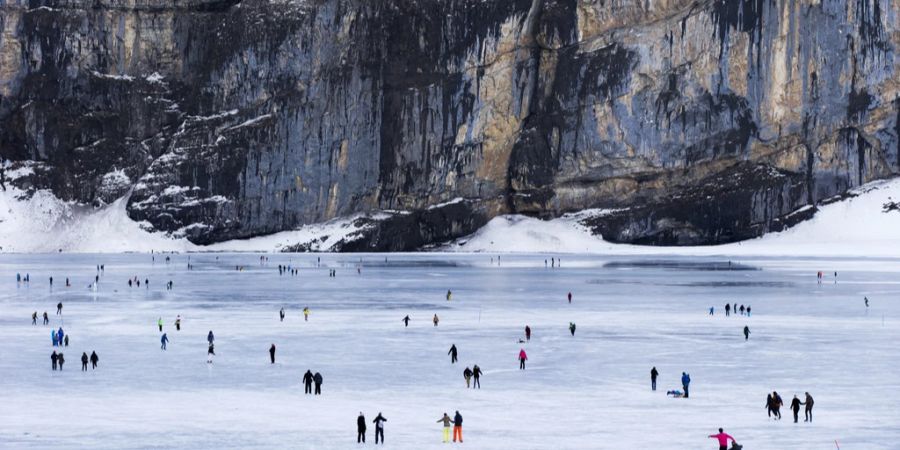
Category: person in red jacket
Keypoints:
(723, 439)
(522, 358)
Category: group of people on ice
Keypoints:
(361, 428)
(774, 403)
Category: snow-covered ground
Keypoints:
(589, 391)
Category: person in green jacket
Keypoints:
(447, 420)
(160, 322)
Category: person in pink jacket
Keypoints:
(723, 439)
(522, 358)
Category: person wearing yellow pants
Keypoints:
(446, 420)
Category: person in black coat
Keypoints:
(476, 375)
(809, 406)
(452, 354)
(406, 321)
(61, 359)
(653, 374)
(795, 408)
(54, 358)
(94, 359)
(360, 428)
(84, 361)
(457, 427)
(379, 427)
(467, 374)
(272, 353)
(307, 382)
(317, 378)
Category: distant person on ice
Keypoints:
(570, 297)
(522, 358)
(317, 379)
(210, 338)
(446, 420)
(46, 318)
(178, 323)
(712, 310)
(467, 374)
(84, 361)
(272, 353)
(306, 314)
(727, 309)
(163, 340)
(476, 375)
(527, 333)
(777, 403)
(435, 320)
(54, 358)
(795, 408)
(572, 328)
(59, 308)
(379, 427)
(452, 354)
(406, 321)
(61, 360)
(449, 295)
(809, 407)
(685, 383)
(94, 360)
(307, 382)
(361, 428)
(281, 314)
(160, 323)
(747, 333)
(653, 374)
(723, 438)
(34, 318)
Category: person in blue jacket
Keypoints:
(685, 383)
(53, 337)
(210, 338)
(163, 340)
(59, 335)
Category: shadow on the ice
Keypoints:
(679, 265)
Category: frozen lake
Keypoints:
(587, 391)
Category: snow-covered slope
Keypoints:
(857, 226)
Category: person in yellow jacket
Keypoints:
(160, 323)
(306, 314)
(447, 420)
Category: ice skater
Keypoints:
(210, 338)
(653, 374)
(685, 383)
(361, 429)
(61, 359)
(527, 333)
(379, 427)
(457, 427)
(272, 353)
(452, 354)
(446, 420)
(867, 302)
(777, 403)
(281, 314)
(94, 360)
(809, 407)
(307, 382)
(522, 358)
(727, 309)
(723, 439)
(570, 297)
(476, 376)
(34, 318)
(84, 361)
(449, 295)
(164, 340)
(467, 374)
(435, 320)
(317, 379)
(178, 323)
(46, 318)
(59, 309)
(160, 324)
(306, 314)
(406, 321)
(795, 408)
(747, 333)
(572, 328)
(54, 359)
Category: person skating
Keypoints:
(59, 336)
(54, 338)
(59, 308)
(712, 310)
(742, 310)
(777, 403)
(307, 382)
(84, 361)
(452, 354)
(94, 360)
(809, 407)
(449, 295)
(457, 427)
(746, 332)
(435, 320)
(272, 353)
(867, 301)
(748, 311)
(46, 318)
(522, 358)
(570, 297)
(527, 333)
(723, 438)
(769, 405)
(34, 318)
(685, 383)
(795, 408)
(727, 309)
(160, 324)
(379, 427)
(653, 374)
(467, 374)
(446, 420)
(210, 338)
(66, 341)
(361, 428)
(572, 328)
(306, 314)
(317, 379)
(281, 314)
(61, 360)
(54, 358)
(164, 340)
(476, 376)
(406, 321)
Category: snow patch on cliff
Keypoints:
(856, 226)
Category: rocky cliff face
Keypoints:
(691, 121)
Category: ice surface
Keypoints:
(589, 391)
